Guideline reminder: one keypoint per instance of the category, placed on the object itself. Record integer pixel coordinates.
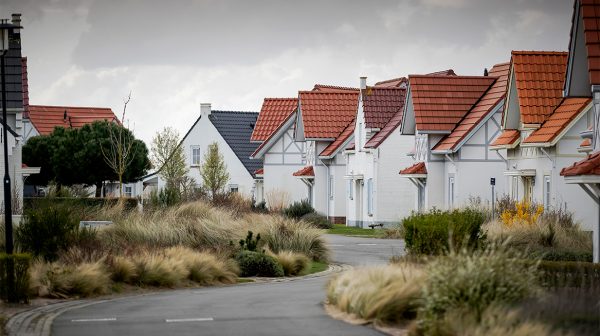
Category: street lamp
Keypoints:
(5, 27)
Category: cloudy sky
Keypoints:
(173, 55)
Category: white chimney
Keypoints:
(363, 83)
(204, 109)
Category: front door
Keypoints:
(528, 189)
(359, 202)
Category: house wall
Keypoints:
(337, 201)
(203, 134)
(561, 194)
(281, 161)
(28, 130)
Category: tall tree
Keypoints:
(168, 157)
(214, 170)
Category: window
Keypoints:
(128, 191)
(331, 187)
(233, 188)
(451, 192)
(350, 191)
(370, 197)
(196, 155)
(514, 189)
(547, 196)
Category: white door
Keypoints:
(359, 201)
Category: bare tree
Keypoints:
(168, 156)
(119, 154)
(214, 170)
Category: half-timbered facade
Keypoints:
(454, 120)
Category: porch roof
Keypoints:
(306, 172)
(587, 166)
(418, 168)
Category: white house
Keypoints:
(454, 120)
(376, 194)
(541, 132)
(281, 155)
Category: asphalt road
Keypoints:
(282, 308)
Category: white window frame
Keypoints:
(192, 157)
(128, 193)
(233, 188)
(370, 197)
(514, 189)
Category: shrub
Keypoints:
(277, 199)
(288, 235)
(298, 209)
(60, 281)
(569, 274)
(47, 230)
(203, 268)
(474, 281)
(292, 263)
(260, 207)
(18, 264)
(156, 269)
(258, 264)
(122, 269)
(525, 213)
(250, 244)
(318, 221)
(432, 233)
(388, 294)
(89, 278)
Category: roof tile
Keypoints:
(46, 118)
(306, 171)
(340, 140)
(508, 137)
(418, 168)
(590, 11)
(564, 113)
(587, 166)
(325, 114)
(274, 111)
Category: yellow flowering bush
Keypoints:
(524, 213)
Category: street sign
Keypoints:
(493, 181)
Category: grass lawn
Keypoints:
(316, 267)
(344, 230)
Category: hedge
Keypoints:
(19, 290)
(569, 274)
(33, 202)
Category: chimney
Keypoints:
(204, 109)
(16, 20)
(485, 72)
(363, 83)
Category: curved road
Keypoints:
(283, 308)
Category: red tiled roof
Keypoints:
(448, 72)
(335, 145)
(326, 114)
(273, 112)
(539, 77)
(441, 102)
(486, 105)
(306, 171)
(590, 10)
(332, 88)
(587, 166)
(392, 83)
(271, 136)
(46, 118)
(381, 104)
(416, 169)
(564, 113)
(586, 143)
(392, 124)
(508, 137)
(25, 87)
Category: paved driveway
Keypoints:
(283, 308)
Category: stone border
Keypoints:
(38, 321)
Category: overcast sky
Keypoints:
(173, 55)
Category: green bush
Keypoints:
(557, 274)
(47, 230)
(472, 281)
(250, 243)
(317, 220)
(431, 233)
(19, 291)
(258, 264)
(298, 209)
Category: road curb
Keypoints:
(38, 321)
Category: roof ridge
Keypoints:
(538, 52)
(451, 77)
(72, 107)
(280, 98)
(223, 111)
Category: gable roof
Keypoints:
(46, 118)
(338, 143)
(236, 129)
(273, 112)
(509, 138)
(325, 114)
(332, 88)
(587, 166)
(380, 104)
(539, 78)
(394, 82)
(441, 102)
(418, 168)
(492, 98)
(561, 117)
(307, 171)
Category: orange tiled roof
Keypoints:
(390, 83)
(392, 124)
(381, 104)
(325, 114)
(539, 77)
(46, 118)
(418, 168)
(332, 88)
(564, 113)
(483, 107)
(273, 112)
(306, 171)
(590, 10)
(335, 145)
(586, 143)
(508, 137)
(587, 166)
(441, 102)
